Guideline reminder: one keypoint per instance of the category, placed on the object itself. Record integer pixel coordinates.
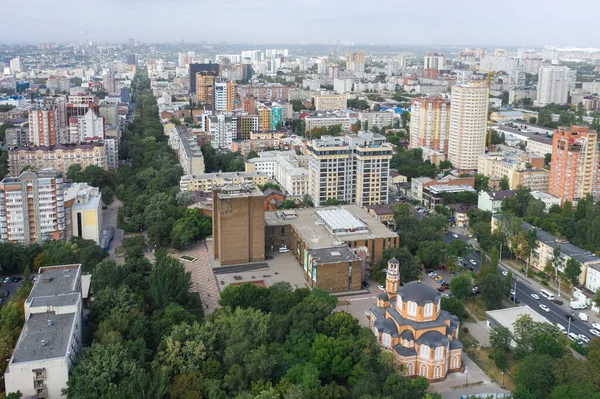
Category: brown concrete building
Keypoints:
(205, 87)
(238, 224)
(574, 163)
(344, 242)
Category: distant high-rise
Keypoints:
(131, 42)
(225, 95)
(402, 60)
(468, 124)
(110, 83)
(355, 62)
(434, 61)
(222, 129)
(202, 69)
(205, 86)
(16, 65)
(430, 124)
(553, 85)
(44, 127)
(131, 59)
(574, 163)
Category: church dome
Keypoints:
(420, 293)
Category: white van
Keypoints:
(547, 294)
(561, 328)
(574, 337)
(582, 316)
(578, 305)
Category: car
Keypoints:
(381, 287)
(443, 267)
(594, 332)
(6, 280)
(558, 301)
(443, 288)
(442, 282)
(582, 316)
(283, 250)
(512, 299)
(366, 284)
(445, 295)
(573, 337)
(561, 328)
(431, 274)
(512, 292)
(570, 316)
(455, 274)
(438, 278)
(596, 326)
(1, 301)
(6, 294)
(454, 235)
(544, 308)
(473, 262)
(535, 296)
(583, 338)
(17, 279)
(504, 273)
(445, 284)
(459, 259)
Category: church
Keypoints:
(409, 322)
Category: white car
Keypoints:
(535, 296)
(283, 250)
(596, 326)
(512, 292)
(544, 308)
(459, 259)
(504, 273)
(473, 262)
(431, 274)
(573, 337)
(381, 287)
(595, 332)
(583, 338)
(455, 235)
(561, 328)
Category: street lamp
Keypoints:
(467, 381)
(515, 295)
(557, 279)
(503, 379)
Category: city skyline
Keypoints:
(307, 22)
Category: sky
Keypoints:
(404, 22)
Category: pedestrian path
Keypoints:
(203, 279)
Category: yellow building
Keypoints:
(207, 181)
(330, 102)
(264, 119)
(409, 322)
(86, 211)
(204, 88)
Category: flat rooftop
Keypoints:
(313, 231)
(56, 280)
(54, 300)
(37, 328)
(506, 317)
(340, 221)
(239, 191)
(325, 256)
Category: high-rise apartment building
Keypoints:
(553, 85)
(44, 127)
(246, 124)
(202, 69)
(16, 65)
(573, 171)
(434, 61)
(402, 60)
(109, 82)
(222, 130)
(468, 124)
(355, 62)
(89, 127)
(32, 208)
(205, 87)
(353, 168)
(238, 224)
(225, 94)
(430, 124)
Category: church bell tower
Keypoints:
(392, 281)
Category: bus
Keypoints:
(547, 294)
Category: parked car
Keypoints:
(561, 328)
(517, 301)
(6, 294)
(432, 274)
(473, 262)
(582, 316)
(512, 291)
(558, 301)
(544, 308)
(596, 326)
(6, 280)
(570, 316)
(284, 249)
(573, 337)
(455, 274)
(381, 287)
(594, 332)
(366, 284)
(445, 284)
(454, 235)
(583, 338)
(17, 279)
(504, 273)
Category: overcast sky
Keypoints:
(460, 22)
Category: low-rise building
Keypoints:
(330, 102)
(548, 199)
(292, 175)
(506, 318)
(433, 195)
(206, 181)
(524, 169)
(246, 146)
(86, 210)
(266, 162)
(379, 119)
(51, 337)
(312, 122)
(491, 201)
(335, 246)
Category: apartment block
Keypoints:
(312, 122)
(188, 151)
(85, 203)
(32, 208)
(574, 164)
(245, 146)
(353, 168)
(225, 96)
(524, 169)
(51, 337)
(238, 224)
(380, 120)
(89, 127)
(266, 162)
(430, 124)
(468, 125)
(246, 124)
(58, 157)
(355, 62)
(222, 129)
(553, 85)
(16, 136)
(207, 181)
(44, 127)
(434, 61)
(292, 175)
(330, 102)
(205, 87)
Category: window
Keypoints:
(412, 308)
(437, 372)
(424, 351)
(410, 369)
(386, 340)
(455, 362)
(428, 309)
(423, 371)
(439, 352)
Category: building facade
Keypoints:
(330, 102)
(430, 124)
(222, 129)
(380, 120)
(312, 122)
(355, 61)
(44, 127)
(574, 163)
(409, 322)
(58, 157)
(553, 85)
(207, 181)
(468, 125)
(85, 203)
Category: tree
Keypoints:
(409, 269)
(187, 386)
(431, 253)
(266, 186)
(108, 195)
(458, 248)
(481, 182)
(288, 204)
(531, 244)
(331, 202)
(252, 154)
(193, 226)
(307, 201)
(500, 338)
(573, 271)
(504, 183)
(74, 173)
(169, 282)
(575, 391)
(445, 165)
(508, 282)
(535, 376)
(461, 286)
(597, 298)
(492, 290)
(454, 306)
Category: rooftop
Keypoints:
(86, 197)
(313, 231)
(221, 175)
(340, 221)
(506, 317)
(41, 339)
(500, 195)
(54, 300)
(333, 255)
(56, 280)
(238, 191)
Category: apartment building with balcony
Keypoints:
(188, 151)
(330, 102)
(33, 209)
(380, 120)
(312, 122)
(51, 337)
(207, 181)
(524, 169)
(430, 124)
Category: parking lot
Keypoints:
(11, 287)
